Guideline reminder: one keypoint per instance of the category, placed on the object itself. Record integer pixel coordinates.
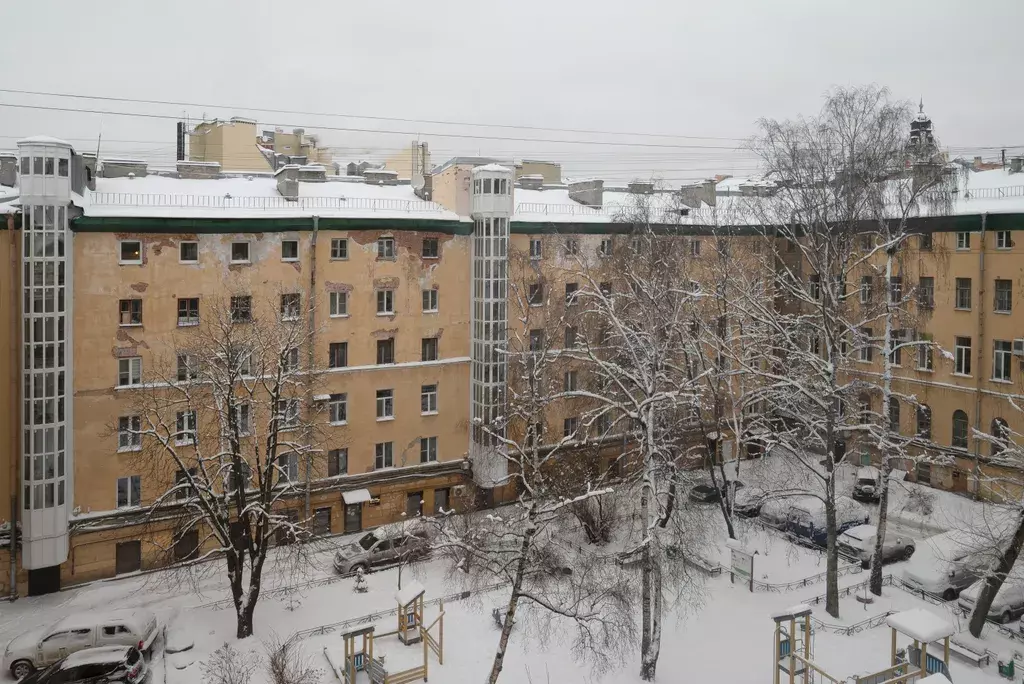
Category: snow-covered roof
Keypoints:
(95, 656)
(132, 616)
(409, 592)
(920, 624)
(356, 496)
(799, 610)
(493, 168)
(359, 629)
(43, 140)
(867, 473)
(937, 678)
(159, 196)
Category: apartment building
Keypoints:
(237, 144)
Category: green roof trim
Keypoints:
(117, 224)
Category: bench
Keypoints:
(968, 654)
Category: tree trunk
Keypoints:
(831, 551)
(645, 590)
(877, 556)
(513, 602)
(723, 501)
(996, 578)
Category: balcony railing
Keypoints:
(128, 199)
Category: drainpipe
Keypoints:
(981, 358)
(16, 329)
(310, 359)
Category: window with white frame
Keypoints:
(129, 491)
(129, 371)
(288, 467)
(1003, 239)
(337, 407)
(695, 247)
(866, 289)
(814, 286)
(339, 304)
(570, 426)
(385, 404)
(572, 247)
(289, 250)
(188, 368)
(129, 433)
(570, 381)
(430, 301)
(386, 248)
(1002, 357)
(866, 345)
(241, 309)
(291, 360)
(130, 252)
(188, 252)
(895, 289)
(385, 302)
(536, 294)
(240, 252)
(925, 353)
(288, 412)
(339, 248)
(536, 249)
(243, 418)
(383, 455)
(962, 358)
(428, 399)
(291, 303)
(605, 250)
(428, 449)
(185, 428)
(963, 240)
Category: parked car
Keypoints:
(859, 542)
(1007, 606)
(94, 666)
(943, 565)
(708, 493)
(868, 485)
(375, 548)
(38, 648)
(806, 519)
(748, 501)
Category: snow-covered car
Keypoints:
(708, 493)
(868, 485)
(375, 549)
(747, 502)
(1006, 606)
(96, 666)
(807, 518)
(944, 565)
(859, 542)
(44, 646)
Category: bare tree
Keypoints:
(286, 664)
(226, 422)
(228, 666)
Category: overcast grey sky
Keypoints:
(707, 69)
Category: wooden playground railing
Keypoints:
(406, 676)
(810, 664)
(436, 645)
(883, 675)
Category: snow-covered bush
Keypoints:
(228, 666)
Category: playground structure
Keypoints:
(794, 640)
(411, 630)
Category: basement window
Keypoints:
(130, 252)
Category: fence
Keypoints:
(260, 203)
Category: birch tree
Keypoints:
(227, 422)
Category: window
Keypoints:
(1003, 240)
(960, 429)
(430, 250)
(1000, 432)
(129, 371)
(386, 248)
(239, 252)
(570, 426)
(570, 336)
(290, 305)
(1004, 296)
(814, 287)
(963, 240)
(129, 437)
(288, 413)
(130, 252)
(570, 383)
(866, 348)
(867, 241)
(337, 462)
(534, 434)
(926, 292)
(385, 302)
(243, 419)
(536, 294)
(895, 289)
(866, 288)
(570, 293)
(572, 247)
(384, 455)
(26, 165)
(339, 248)
(49, 166)
(187, 368)
(605, 250)
(131, 312)
(188, 312)
(290, 364)
(695, 247)
(386, 351)
(428, 449)
(288, 467)
(339, 304)
(129, 491)
(925, 353)
(865, 408)
(241, 309)
(428, 399)
(894, 415)
(183, 483)
(963, 356)
(289, 250)
(963, 293)
(924, 422)
(924, 242)
(337, 407)
(188, 252)
(1002, 356)
(536, 251)
(923, 473)
(385, 404)
(430, 301)
(895, 348)
(241, 477)
(37, 166)
(337, 355)
(185, 428)
(428, 349)
(536, 340)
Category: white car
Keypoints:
(1007, 605)
(859, 542)
(44, 646)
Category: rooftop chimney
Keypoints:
(194, 169)
(533, 181)
(641, 188)
(1016, 164)
(703, 192)
(288, 181)
(8, 169)
(313, 173)
(380, 177)
(122, 168)
(590, 193)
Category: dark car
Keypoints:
(95, 666)
(708, 493)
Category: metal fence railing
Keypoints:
(228, 201)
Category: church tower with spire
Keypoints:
(922, 140)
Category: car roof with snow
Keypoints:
(131, 616)
(95, 656)
(861, 532)
(867, 473)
